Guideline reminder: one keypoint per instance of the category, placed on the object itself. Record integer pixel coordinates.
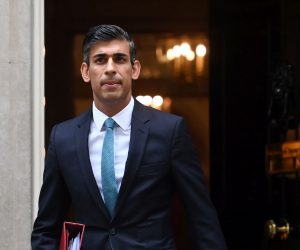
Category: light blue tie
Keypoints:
(109, 185)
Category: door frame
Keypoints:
(38, 102)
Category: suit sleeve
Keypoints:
(189, 182)
(53, 203)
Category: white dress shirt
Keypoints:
(121, 142)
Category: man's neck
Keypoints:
(112, 108)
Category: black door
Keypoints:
(249, 40)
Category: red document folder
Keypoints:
(70, 230)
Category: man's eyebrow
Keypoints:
(114, 54)
(104, 55)
(120, 54)
(100, 55)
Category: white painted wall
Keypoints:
(21, 118)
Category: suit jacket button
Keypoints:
(113, 231)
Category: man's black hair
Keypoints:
(106, 32)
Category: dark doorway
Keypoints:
(156, 26)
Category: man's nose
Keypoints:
(110, 67)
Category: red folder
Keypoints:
(70, 230)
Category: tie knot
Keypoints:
(110, 123)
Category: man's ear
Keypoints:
(136, 69)
(85, 72)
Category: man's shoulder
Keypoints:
(153, 113)
(76, 121)
(157, 120)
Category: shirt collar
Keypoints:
(123, 118)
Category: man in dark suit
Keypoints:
(153, 157)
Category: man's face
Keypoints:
(110, 73)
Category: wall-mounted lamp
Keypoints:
(157, 102)
(185, 50)
(188, 58)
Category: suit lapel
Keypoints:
(138, 138)
(81, 135)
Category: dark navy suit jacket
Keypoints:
(161, 161)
